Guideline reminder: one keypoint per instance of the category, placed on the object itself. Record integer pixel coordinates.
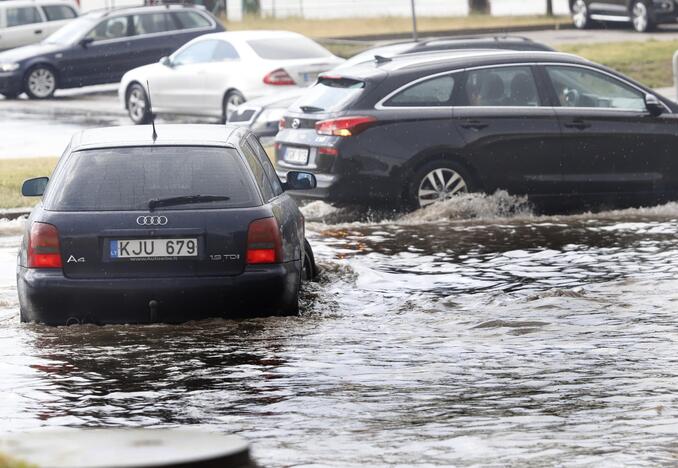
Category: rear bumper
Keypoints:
(49, 297)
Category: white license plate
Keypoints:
(297, 155)
(309, 78)
(153, 248)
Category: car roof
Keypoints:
(251, 34)
(143, 9)
(15, 3)
(142, 135)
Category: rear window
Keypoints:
(286, 48)
(115, 179)
(329, 94)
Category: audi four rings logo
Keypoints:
(296, 123)
(152, 220)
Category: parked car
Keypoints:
(189, 225)
(213, 74)
(262, 115)
(100, 47)
(414, 130)
(644, 15)
(24, 22)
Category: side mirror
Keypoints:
(300, 181)
(654, 105)
(85, 42)
(166, 61)
(34, 187)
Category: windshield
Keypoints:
(329, 94)
(127, 179)
(72, 32)
(287, 48)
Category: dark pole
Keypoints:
(549, 7)
(414, 22)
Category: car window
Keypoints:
(434, 92)
(223, 50)
(199, 52)
(58, 12)
(18, 16)
(265, 162)
(582, 87)
(191, 20)
(113, 179)
(111, 28)
(287, 48)
(150, 23)
(501, 86)
(258, 171)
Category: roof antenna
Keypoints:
(150, 112)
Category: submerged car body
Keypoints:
(192, 224)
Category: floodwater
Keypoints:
(472, 333)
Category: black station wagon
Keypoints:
(416, 130)
(190, 225)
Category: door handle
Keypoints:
(475, 125)
(37, 31)
(578, 124)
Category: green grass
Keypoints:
(7, 461)
(12, 174)
(648, 62)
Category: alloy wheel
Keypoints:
(440, 184)
(136, 104)
(580, 14)
(640, 17)
(41, 83)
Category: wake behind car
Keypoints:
(100, 47)
(413, 130)
(190, 225)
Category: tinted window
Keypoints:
(581, 87)
(330, 95)
(127, 178)
(22, 15)
(503, 86)
(198, 52)
(258, 171)
(152, 23)
(285, 48)
(434, 92)
(58, 12)
(111, 28)
(224, 51)
(265, 162)
(191, 19)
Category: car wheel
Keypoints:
(640, 16)
(309, 270)
(40, 82)
(137, 105)
(437, 181)
(232, 100)
(580, 15)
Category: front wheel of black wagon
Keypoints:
(437, 181)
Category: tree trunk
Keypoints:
(549, 7)
(479, 6)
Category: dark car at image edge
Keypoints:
(644, 15)
(100, 47)
(133, 229)
(414, 130)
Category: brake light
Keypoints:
(281, 123)
(328, 150)
(263, 242)
(279, 77)
(344, 127)
(44, 250)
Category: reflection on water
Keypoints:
(491, 337)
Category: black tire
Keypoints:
(641, 19)
(456, 180)
(309, 270)
(137, 104)
(22, 316)
(233, 97)
(40, 82)
(581, 16)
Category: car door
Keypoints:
(151, 38)
(180, 85)
(102, 56)
(24, 25)
(510, 129)
(611, 144)
(609, 10)
(219, 75)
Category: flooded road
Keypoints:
(471, 334)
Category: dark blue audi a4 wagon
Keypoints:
(135, 228)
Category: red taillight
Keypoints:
(43, 246)
(279, 77)
(328, 150)
(263, 242)
(344, 127)
(281, 123)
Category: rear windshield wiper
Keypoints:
(183, 200)
(311, 109)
